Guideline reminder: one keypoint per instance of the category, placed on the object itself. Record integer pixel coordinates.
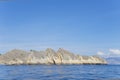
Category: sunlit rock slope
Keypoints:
(49, 56)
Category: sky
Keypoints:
(84, 27)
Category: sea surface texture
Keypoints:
(60, 72)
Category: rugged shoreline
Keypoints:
(47, 57)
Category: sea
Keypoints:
(60, 72)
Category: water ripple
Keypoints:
(60, 72)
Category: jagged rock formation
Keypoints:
(49, 56)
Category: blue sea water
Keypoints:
(60, 72)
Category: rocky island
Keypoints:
(49, 56)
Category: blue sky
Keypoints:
(81, 26)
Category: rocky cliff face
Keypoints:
(49, 56)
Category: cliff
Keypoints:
(49, 56)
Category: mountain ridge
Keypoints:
(49, 56)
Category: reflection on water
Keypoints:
(60, 72)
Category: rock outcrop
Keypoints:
(49, 56)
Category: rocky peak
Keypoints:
(66, 55)
(63, 51)
(50, 50)
(15, 51)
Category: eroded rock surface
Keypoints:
(49, 56)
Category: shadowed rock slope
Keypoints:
(49, 56)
